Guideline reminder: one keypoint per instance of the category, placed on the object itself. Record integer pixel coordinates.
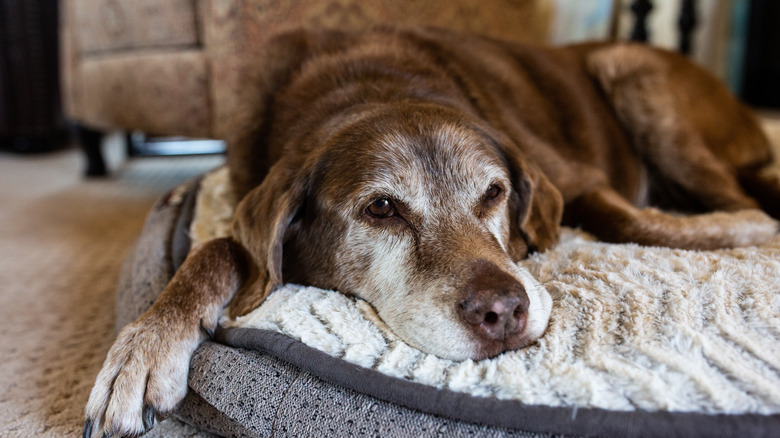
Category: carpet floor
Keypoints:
(62, 242)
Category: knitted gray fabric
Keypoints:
(259, 395)
(281, 387)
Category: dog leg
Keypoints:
(691, 133)
(611, 218)
(145, 373)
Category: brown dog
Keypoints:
(414, 168)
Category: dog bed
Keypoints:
(642, 342)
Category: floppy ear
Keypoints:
(260, 224)
(536, 208)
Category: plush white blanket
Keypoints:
(631, 328)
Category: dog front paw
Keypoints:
(143, 378)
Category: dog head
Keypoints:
(420, 211)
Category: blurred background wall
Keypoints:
(738, 40)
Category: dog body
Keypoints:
(413, 168)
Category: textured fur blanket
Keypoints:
(631, 328)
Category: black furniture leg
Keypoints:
(90, 144)
(686, 25)
(641, 9)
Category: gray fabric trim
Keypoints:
(147, 268)
(180, 235)
(509, 414)
(156, 255)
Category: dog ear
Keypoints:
(261, 223)
(536, 207)
(540, 226)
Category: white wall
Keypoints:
(578, 20)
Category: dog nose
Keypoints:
(496, 317)
(495, 305)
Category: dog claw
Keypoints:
(148, 417)
(87, 433)
(208, 331)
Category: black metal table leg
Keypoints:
(90, 143)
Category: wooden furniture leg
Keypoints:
(641, 9)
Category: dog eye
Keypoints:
(381, 208)
(492, 193)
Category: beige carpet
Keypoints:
(62, 241)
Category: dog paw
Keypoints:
(143, 378)
(755, 228)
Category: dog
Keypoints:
(414, 167)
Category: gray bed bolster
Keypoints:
(503, 414)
